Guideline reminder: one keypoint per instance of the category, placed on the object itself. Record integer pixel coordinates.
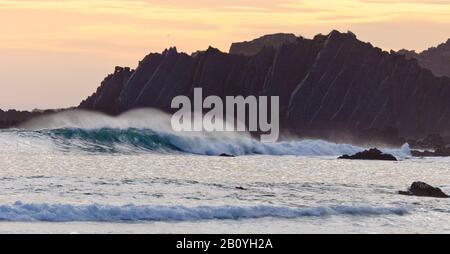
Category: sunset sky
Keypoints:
(55, 53)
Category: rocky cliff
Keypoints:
(436, 59)
(331, 83)
(13, 118)
(250, 48)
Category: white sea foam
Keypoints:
(129, 213)
(95, 141)
(39, 135)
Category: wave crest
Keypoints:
(131, 213)
(133, 140)
(149, 130)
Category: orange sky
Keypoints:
(55, 53)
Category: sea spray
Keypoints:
(133, 140)
(148, 130)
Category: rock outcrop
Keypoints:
(432, 141)
(372, 154)
(105, 99)
(424, 190)
(436, 59)
(330, 84)
(226, 155)
(13, 118)
(434, 145)
(250, 48)
(440, 152)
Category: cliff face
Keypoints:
(250, 48)
(436, 59)
(354, 86)
(105, 99)
(330, 83)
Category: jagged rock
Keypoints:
(14, 118)
(328, 86)
(331, 84)
(440, 152)
(105, 98)
(434, 145)
(250, 48)
(432, 141)
(372, 154)
(424, 190)
(436, 59)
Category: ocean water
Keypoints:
(72, 174)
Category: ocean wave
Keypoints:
(150, 131)
(107, 140)
(133, 213)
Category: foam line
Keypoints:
(133, 213)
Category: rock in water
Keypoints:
(422, 189)
(226, 155)
(440, 152)
(372, 154)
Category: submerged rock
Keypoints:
(372, 154)
(226, 155)
(422, 189)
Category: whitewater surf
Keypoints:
(143, 131)
(89, 172)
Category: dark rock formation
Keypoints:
(250, 48)
(372, 154)
(424, 190)
(105, 98)
(328, 85)
(436, 59)
(13, 118)
(353, 85)
(432, 141)
(226, 155)
(440, 152)
(434, 145)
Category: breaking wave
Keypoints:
(133, 213)
(150, 131)
(147, 140)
